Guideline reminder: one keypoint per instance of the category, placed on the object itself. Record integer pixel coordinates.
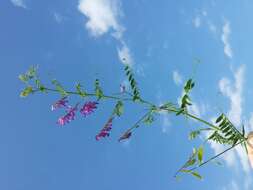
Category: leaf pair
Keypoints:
(59, 88)
(195, 159)
(98, 90)
(133, 84)
(227, 133)
(79, 90)
(185, 100)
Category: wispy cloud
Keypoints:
(19, 3)
(226, 31)
(233, 90)
(125, 55)
(103, 17)
(232, 186)
(177, 78)
(202, 20)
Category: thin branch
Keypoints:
(210, 159)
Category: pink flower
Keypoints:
(88, 108)
(60, 103)
(105, 132)
(71, 112)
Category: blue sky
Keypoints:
(87, 39)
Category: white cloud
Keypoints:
(232, 186)
(235, 184)
(19, 3)
(125, 55)
(233, 91)
(196, 22)
(226, 31)
(103, 17)
(177, 78)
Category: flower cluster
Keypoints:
(87, 109)
(105, 131)
(60, 103)
(71, 113)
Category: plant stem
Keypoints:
(104, 96)
(216, 156)
(193, 117)
(210, 159)
(137, 122)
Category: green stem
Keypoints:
(193, 117)
(216, 156)
(104, 96)
(209, 160)
(137, 122)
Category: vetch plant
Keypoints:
(222, 131)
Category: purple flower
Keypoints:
(60, 103)
(105, 132)
(125, 136)
(88, 108)
(71, 112)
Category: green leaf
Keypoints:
(79, 90)
(40, 86)
(23, 77)
(149, 119)
(197, 175)
(59, 88)
(219, 118)
(190, 162)
(243, 130)
(189, 85)
(32, 72)
(98, 90)
(194, 134)
(194, 174)
(200, 154)
(119, 108)
(28, 90)
(133, 84)
(185, 171)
